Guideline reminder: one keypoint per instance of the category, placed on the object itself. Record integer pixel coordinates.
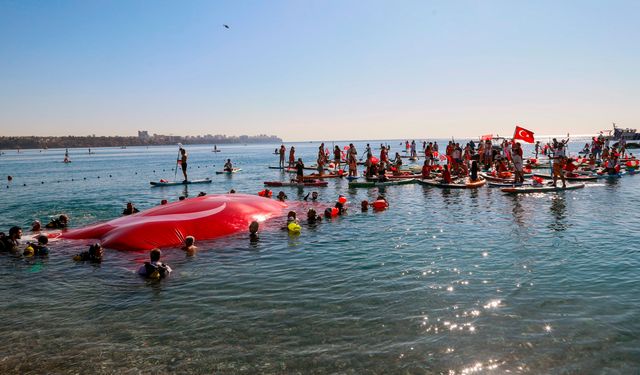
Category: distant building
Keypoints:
(143, 134)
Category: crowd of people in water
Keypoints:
(154, 268)
(501, 157)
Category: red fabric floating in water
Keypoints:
(205, 218)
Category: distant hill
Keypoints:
(143, 139)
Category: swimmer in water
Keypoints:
(282, 196)
(93, 255)
(253, 232)
(314, 196)
(189, 245)
(130, 209)
(61, 222)
(313, 217)
(154, 269)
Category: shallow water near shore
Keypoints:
(443, 282)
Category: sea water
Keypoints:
(443, 282)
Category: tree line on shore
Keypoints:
(35, 142)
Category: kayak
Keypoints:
(234, 170)
(174, 183)
(318, 183)
(575, 178)
(465, 183)
(489, 177)
(397, 177)
(539, 189)
(274, 167)
(371, 184)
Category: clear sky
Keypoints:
(309, 70)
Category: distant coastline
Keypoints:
(143, 139)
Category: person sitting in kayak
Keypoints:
(313, 217)
(130, 209)
(569, 167)
(228, 167)
(189, 245)
(426, 170)
(300, 171)
(93, 255)
(60, 223)
(154, 269)
(382, 177)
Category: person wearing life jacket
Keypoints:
(38, 248)
(154, 269)
(380, 203)
(93, 255)
(265, 193)
(570, 168)
(426, 170)
(292, 223)
(446, 175)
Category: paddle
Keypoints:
(177, 161)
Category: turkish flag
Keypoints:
(524, 134)
(487, 137)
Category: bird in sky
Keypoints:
(226, 26)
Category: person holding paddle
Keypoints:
(183, 162)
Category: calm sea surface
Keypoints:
(444, 282)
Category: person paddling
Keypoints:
(228, 167)
(183, 162)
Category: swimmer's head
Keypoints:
(154, 255)
(253, 227)
(189, 240)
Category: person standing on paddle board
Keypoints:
(292, 157)
(516, 158)
(558, 165)
(183, 162)
(300, 171)
(281, 152)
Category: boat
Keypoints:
(630, 136)
(372, 184)
(464, 183)
(539, 189)
(174, 183)
(568, 178)
(504, 184)
(318, 183)
(234, 170)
